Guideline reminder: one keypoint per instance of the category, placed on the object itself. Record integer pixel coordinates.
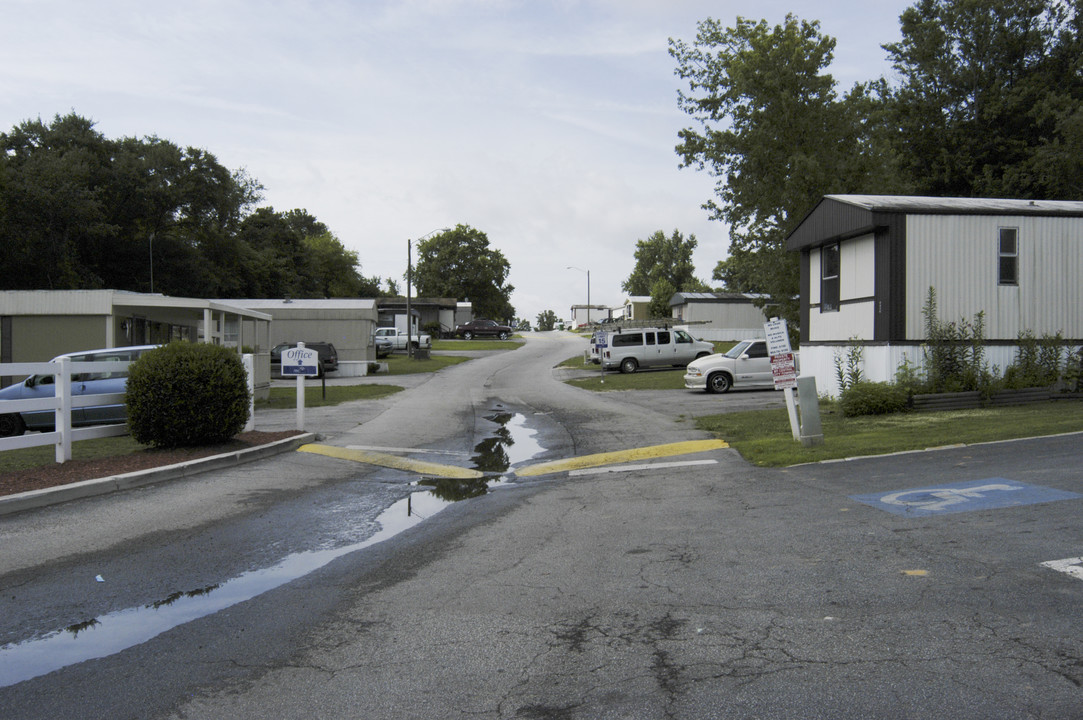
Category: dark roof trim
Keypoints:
(841, 217)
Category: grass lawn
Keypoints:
(476, 344)
(400, 364)
(286, 397)
(24, 458)
(763, 437)
(664, 379)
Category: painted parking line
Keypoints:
(640, 466)
(392, 461)
(988, 494)
(1068, 566)
(621, 456)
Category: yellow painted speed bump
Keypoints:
(621, 456)
(392, 461)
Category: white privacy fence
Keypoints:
(62, 403)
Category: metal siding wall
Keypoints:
(857, 258)
(37, 339)
(958, 256)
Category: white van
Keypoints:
(632, 348)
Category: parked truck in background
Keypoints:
(399, 339)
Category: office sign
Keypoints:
(300, 361)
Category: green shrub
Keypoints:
(1037, 361)
(186, 394)
(872, 398)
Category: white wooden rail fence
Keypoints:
(62, 404)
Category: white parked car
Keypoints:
(745, 365)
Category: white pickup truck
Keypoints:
(746, 365)
(398, 338)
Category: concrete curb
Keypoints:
(103, 486)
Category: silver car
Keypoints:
(632, 348)
(43, 386)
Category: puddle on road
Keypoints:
(511, 442)
(120, 630)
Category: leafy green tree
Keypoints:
(459, 263)
(78, 210)
(336, 269)
(777, 136)
(547, 320)
(661, 293)
(991, 97)
(299, 257)
(660, 257)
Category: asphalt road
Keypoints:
(888, 587)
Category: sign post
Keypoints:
(600, 344)
(302, 362)
(783, 367)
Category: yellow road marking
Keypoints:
(392, 461)
(619, 456)
(915, 573)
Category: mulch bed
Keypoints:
(54, 474)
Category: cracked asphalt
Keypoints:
(710, 591)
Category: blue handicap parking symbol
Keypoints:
(987, 494)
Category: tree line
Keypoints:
(82, 211)
(987, 102)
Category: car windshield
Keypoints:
(737, 350)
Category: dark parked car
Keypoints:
(481, 327)
(384, 346)
(326, 351)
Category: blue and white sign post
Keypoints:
(600, 345)
(302, 362)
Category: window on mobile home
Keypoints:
(1008, 267)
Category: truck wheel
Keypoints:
(415, 344)
(468, 335)
(628, 365)
(719, 383)
(11, 424)
(503, 336)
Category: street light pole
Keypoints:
(409, 278)
(573, 267)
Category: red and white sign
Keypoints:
(784, 371)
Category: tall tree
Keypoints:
(547, 320)
(337, 270)
(660, 257)
(459, 263)
(990, 97)
(777, 136)
(78, 210)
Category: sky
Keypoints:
(549, 125)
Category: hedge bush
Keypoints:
(186, 394)
(872, 398)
